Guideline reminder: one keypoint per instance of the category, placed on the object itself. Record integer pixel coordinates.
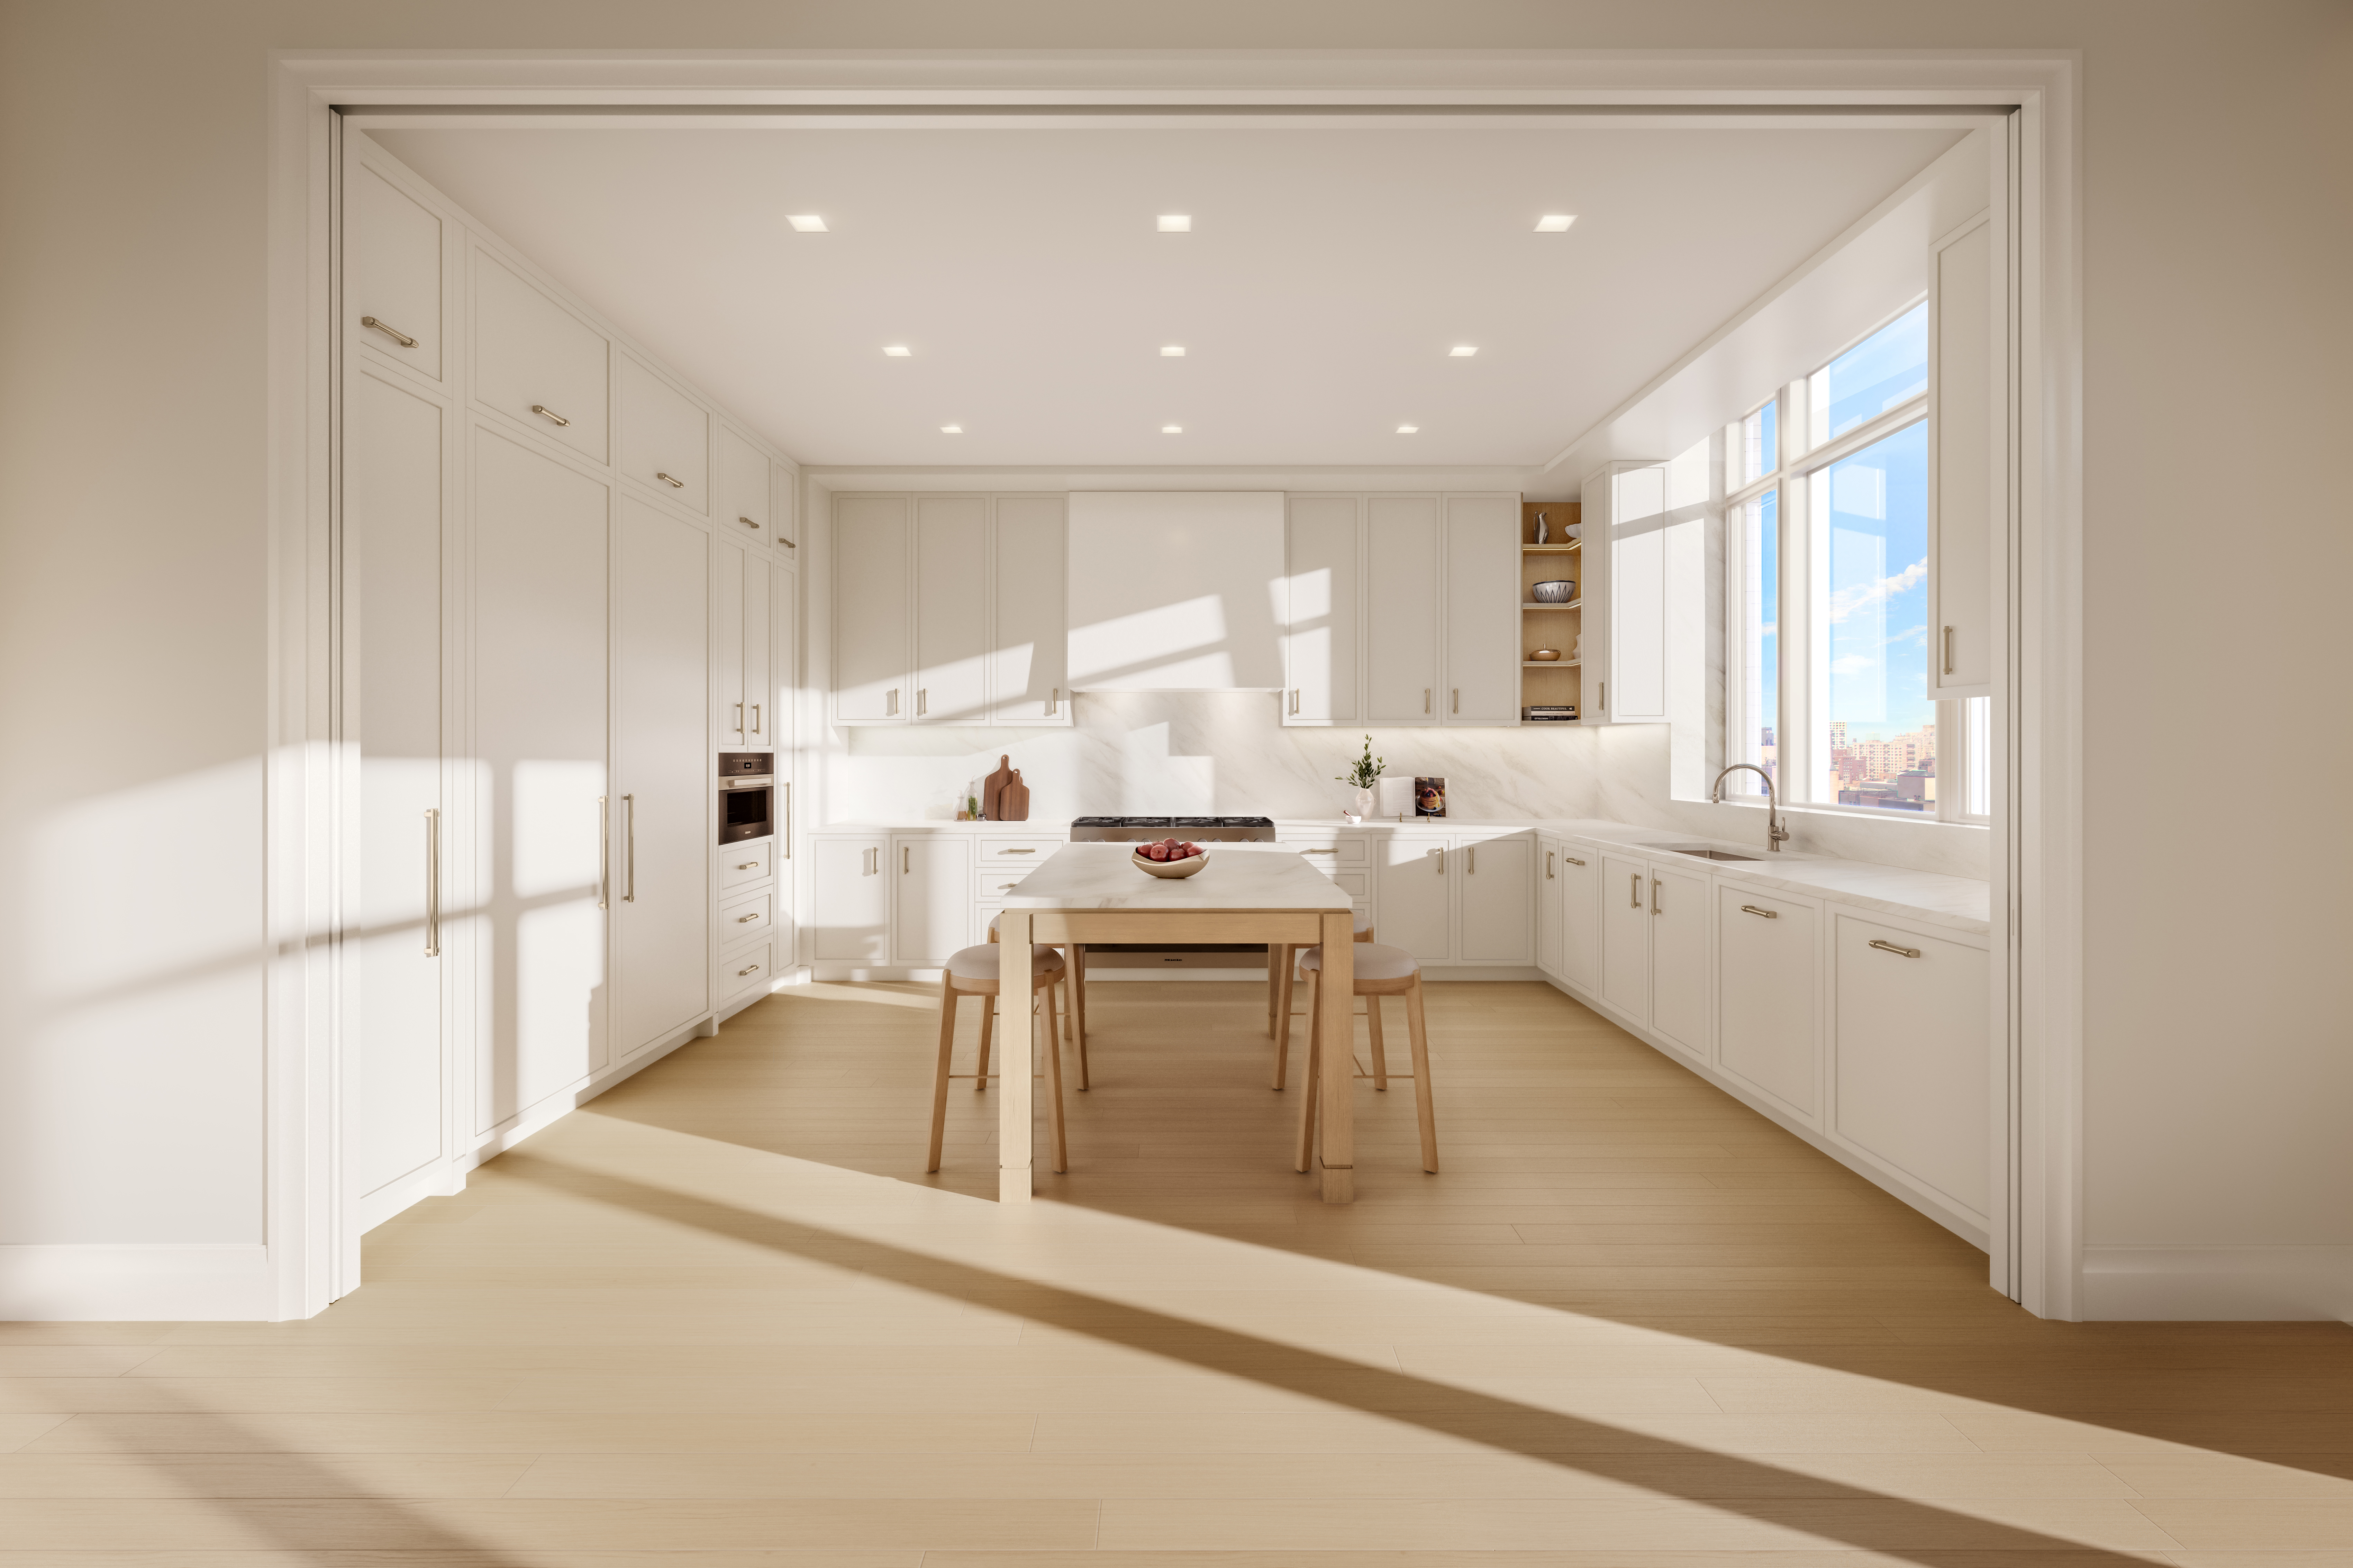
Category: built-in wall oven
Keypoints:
(747, 796)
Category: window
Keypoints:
(1827, 514)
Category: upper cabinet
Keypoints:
(1323, 549)
(1175, 591)
(537, 363)
(873, 653)
(664, 438)
(744, 488)
(1624, 594)
(392, 294)
(951, 613)
(782, 519)
(1482, 625)
(1029, 648)
(1962, 350)
(1401, 579)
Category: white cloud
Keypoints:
(1853, 664)
(1862, 596)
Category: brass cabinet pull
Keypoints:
(906, 853)
(755, 718)
(1635, 891)
(747, 865)
(1548, 876)
(1656, 907)
(746, 919)
(604, 852)
(1769, 914)
(1294, 702)
(789, 822)
(739, 718)
(1891, 948)
(630, 849)
(1458, 701)
(923, 700)
(1313, 850)
(1472, 856)
(432, 885)
(544, 412)
(393, 333)
(1054, 703)
(1948, 651)
(1425, 699)
(753, 971)
(891, 703)
(1017, 852)
(787, 544)
(748, 524)
(1572, 860)
(673, 483)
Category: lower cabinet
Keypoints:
(745, 971)
(931, 899)
(1625, 936)
(1414, 896)
(1548, 905)
(853, 898)
(1769, 996)
(1910, 1085)
(1497, 890)
(1580, 915)
(1680, 971)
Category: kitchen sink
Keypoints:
(1708, 853)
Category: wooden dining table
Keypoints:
(1093, 892)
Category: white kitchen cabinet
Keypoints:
(1322, 544)
(747, 971)
(1029, 645)
(733, 698)
(537, 363)
(1625, 936)
(1580, 915)
(1548, 903)
(746, 864)
(540, 718)
(744, 487)
(1909, 1080)
(1681, 972)
(951, 609)
(874, 643)
(1401, 580)
(392, 246)
(1961, 487)
(664, 436)
(1624, 590)
(853, 896)
(1414, 895)
(1769, 996)
(1495, 900)
(783, 517)
(1482, 621)
(931, 899)
(1169, 590)
(661, 747)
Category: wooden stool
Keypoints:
(1074, 999)
(1279, 958)
(1380, 971)
(973, 971)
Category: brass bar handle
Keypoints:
(1017, 852)
(629, 848)
(789, 822)
(891, 703)
(1548, 875)
(1457, 706)
(1948, 651)
(753, 971)
(755, 718)
(1294, 702)
(1656, 908)
(906, 857)
(1313, 850)
(1891, 948)
(1054, 703)
(604, 852)
(746, 919)
(544, 412)
(1634, 891)
(1425, 699)
(393, 333)
(749, 523)
(747, 865)
(787, 544)
(1572, 860)
(739, 718)
(673, 483)
(923, 700)
(1472, 855)
(1769, 914)
(432, 885)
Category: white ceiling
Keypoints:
(1326, 275)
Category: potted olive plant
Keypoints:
(1365, 773)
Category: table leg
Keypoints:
(1079, 1004)
(1014, 1133)
(1336, 1009)
(1274, 958)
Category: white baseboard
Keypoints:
(2208, 1284)
(133, 1283)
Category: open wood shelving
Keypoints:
(1549, 683)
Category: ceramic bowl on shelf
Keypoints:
(1186, 868)
(1559, 592)
(1544, 655)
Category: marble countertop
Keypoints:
(1957, 903)
(1103, 876)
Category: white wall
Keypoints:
(2218, 145)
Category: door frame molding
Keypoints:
(2037, 870)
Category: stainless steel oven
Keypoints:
(747, 796)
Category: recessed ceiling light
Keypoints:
(1172, 429)
(901, 351)
(1554, 222)
(1172, 351)
(1459, 351)
(1175, 223)
(807, 223)
(1408, 429)
(950, 429)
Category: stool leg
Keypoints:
(987, 1023)
(1380, 1057)
(1079, 1007)
(940, 1080)
(1423, 1111)
(1282, 1012)
(1309, 1078)
(1066, 994)
(1054, 1083)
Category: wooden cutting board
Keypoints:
(993, 786)
(1013, 805)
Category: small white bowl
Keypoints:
(1186, 868)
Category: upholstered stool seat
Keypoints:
(1373, 962)
(982, 963)
(1380, 971)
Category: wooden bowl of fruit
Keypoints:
(1171, 857)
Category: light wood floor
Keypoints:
(720, 1318)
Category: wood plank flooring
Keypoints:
(721, 1318)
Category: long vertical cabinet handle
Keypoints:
(604, 852)
(923, 700)
(1948, 651)
(1634, 899)
(1441, 854)
(755, 718)
(1656, 907)
(432, 885)
(1054, 703)
(630, 849)
(1548, 876)
(788, 819)
(906, 853)
(739, 721)
(1425, 699)
(891, 703)
(1457, 706)
(1470, 861)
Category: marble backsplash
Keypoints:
(1227, 754)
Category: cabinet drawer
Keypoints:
(746, 917)
(1356, 884)
(664, 436)
(997, 881)
(392, 271)
(537, 363)
(748, 970)
(1328, 850)
(1013, 854)
(740, 865)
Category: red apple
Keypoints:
(1156, 852)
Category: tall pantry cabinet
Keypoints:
(555, 578)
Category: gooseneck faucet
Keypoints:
(1774, 832)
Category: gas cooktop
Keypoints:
(1145, 830)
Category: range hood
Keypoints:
(1176, 590)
